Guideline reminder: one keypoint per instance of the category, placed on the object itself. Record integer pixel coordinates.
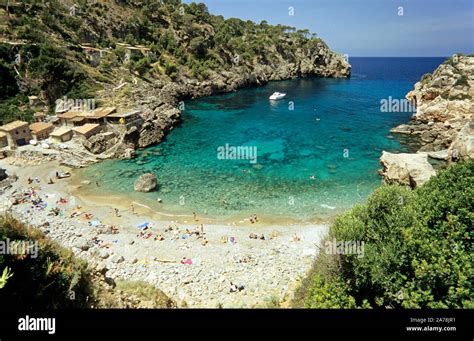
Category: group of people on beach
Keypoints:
(253, 219)
(50, 180)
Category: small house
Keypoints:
(18, 133)
(98, 115)
(67, 118)
(79, 118)
(41, 130)
(87, 130)
(62, 134)
(39, 116)
(124, 118)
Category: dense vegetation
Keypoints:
(54, 278)
(184, 41)
(417, 249)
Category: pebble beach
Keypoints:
(197, 264)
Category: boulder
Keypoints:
(116, 259)
(402, 129)
(129, 153)
(101, 142)
(462, 147)
(82, 244)
(406, 169)
(146, 183)
(103, 253)
(439, 155)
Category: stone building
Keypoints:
(17, 132)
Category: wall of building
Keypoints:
(19, 136)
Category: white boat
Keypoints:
(277, 95)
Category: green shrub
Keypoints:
(50, 280)
(326, 294)
(417, 248)
(55, 278)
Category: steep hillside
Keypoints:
(144, 54)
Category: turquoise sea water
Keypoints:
(329, 129)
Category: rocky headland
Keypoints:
(443, 123)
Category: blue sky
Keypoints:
(368, 27)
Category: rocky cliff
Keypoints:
(146, 55)
(444, 107)
(444, 119)
(159, 99)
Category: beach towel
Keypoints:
(94, 223)
(187, 261)
(143, 226)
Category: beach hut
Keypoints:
(39, 116)
(17, 132)
(41, 130)
(98, 115)
(124, 118)
(67, 118)
(62, 134)
(87, 130)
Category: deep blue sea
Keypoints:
(318, 149)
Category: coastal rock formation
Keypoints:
(146, 183)
(99, 143)
(444, 104)
(406, 169)
(161, 101)
(463, 146)
(443, 122)
(157, 122)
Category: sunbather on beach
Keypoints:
(295, 238)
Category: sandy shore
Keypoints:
(224, 267)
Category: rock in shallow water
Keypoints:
(146, 183)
